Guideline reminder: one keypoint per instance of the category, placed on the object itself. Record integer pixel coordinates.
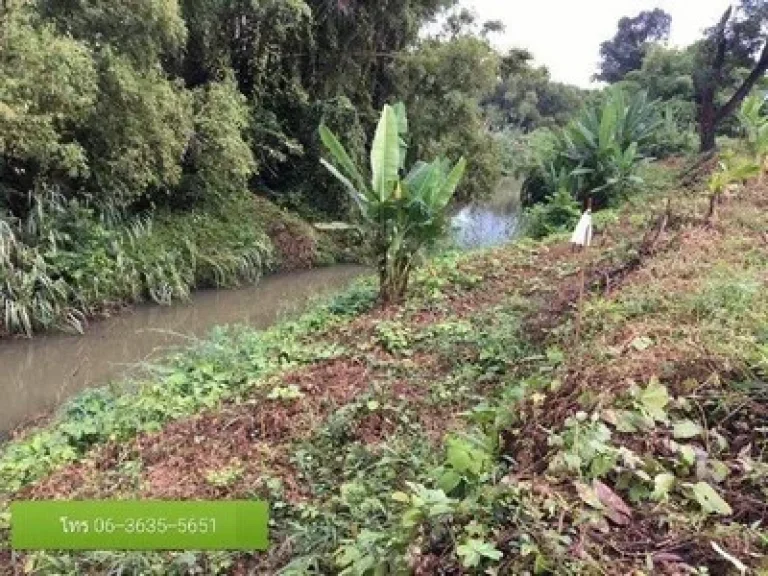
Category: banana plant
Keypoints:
(754, 124)
(602, 148)
(403, 214)
(732, 171)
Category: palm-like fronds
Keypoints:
(754, 124)
(601, 149)
(403, 214)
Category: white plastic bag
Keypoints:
(582, 236)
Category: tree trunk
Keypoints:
(712, 209)
(758, 72)
(710, 116)
(393, 283)
(708, 129)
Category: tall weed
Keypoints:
(63, 261)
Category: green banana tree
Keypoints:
(403, 214)
(754, 124)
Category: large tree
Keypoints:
(626, 50)
(48, 86)
(739, 41)
(525, 98)
(442, 82)
(181, 101)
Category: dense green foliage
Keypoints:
(402, 215)
(753, 119)
(556, 215)
(443, 82)
(62, 263)
(706, 81)
(528, 410)
(625, 51)
(152, 98)
(596, 156)
(526, 99)
(169, 110)
(484, 439)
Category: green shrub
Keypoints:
(219, 162)
(675, 135)
(558, 214)
(754, 125)
(64, 262)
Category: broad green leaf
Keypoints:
(342, 158)
(654, 399)
(608, 124)
(472, 552)
(423, 180)
(465, 458)
(449, 481)
(624, 420)
(662, 484)
(710, 501)
(412, 517)
(451, 183)
(385, 154)
(688, 454)
(459, 457)
(686, 429)
(586, 134)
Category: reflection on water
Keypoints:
(490, 223)
(480, 227)
(39, 374)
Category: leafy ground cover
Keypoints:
(75, 266)
(529, 410)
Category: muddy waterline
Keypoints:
(40, 374)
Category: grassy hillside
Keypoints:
(530, 410)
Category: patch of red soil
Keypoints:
(375, 428)
(94, 478)
(437, 422)
(675, 550)
(408, 391)
(7, 565)
(250, 439)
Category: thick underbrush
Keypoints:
(64, 263)
(529, 410)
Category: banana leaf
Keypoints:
(385, 154)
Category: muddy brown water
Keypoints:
(40, 374)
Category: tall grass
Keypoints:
(64, 262)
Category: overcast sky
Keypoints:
(565, 35)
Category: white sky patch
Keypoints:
(565, 35)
